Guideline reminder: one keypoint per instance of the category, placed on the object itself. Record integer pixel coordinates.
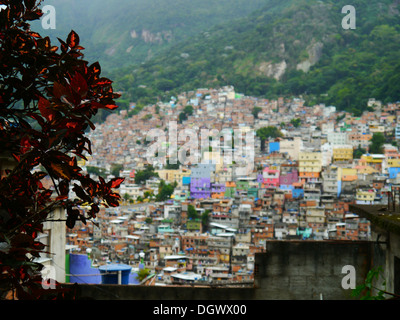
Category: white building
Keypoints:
(337, 138)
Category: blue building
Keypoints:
(274, 147)
(297, 193)
(393, 172)
(80, 270)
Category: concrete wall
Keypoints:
(385, 237)
(57, 242)
(289, 270)
(308, 269)
(129, 292)
(393, 264)
(386, 255)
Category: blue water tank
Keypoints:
(109, 273)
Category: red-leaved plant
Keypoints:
(48, 95)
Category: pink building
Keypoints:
(271, 177)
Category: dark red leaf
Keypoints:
(71, 221)
(112, 202)
(102, 181)
(95, 70)
(64, 46)
(81, 193)
(111, 106)
(103, 82)
(61, 170)
(79, 85)
(83, 219)
(22, 240)
(63, 187)
(29, 4)
(16, 157)
(34, 34)
(73, 39)
(59, 90)
(115, 183)
(38, 118)
(44, 108)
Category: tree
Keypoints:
(116, 168)
(96, 171)
(165, 191)
(296, 122)
(143, 175)
(205, 219)
(377, 141)
(187, 111)
(374, 287)
(267, 132)
(143, 274)
(48, 95)
(192, 213)
(357, 153)
(256, 111)
(182, 117)
(171, 166)
(127, 197)
(147, 117)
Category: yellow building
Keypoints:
(376, 128)
(348, 174)
(365, 196)
(393, 163)
(373, 160)
(173, 175)
(343, 153)
(364, 169)
(310, 164)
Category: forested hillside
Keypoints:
(153, 49)
(295, 47)
(127, 32)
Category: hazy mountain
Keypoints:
(123, 32)
(286, 47)
(269, 48)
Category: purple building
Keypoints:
(217, 187)
(288, 178)
(200, 188)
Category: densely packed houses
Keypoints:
(208, 230)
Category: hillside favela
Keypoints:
(202, 224)
(200, 150)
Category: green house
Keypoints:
(304, 232)
(165, 228)
(242, 185)
(252, 192)
(230, 192)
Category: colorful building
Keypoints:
(271, 177)
(310, 165)
(343, 154)
(173, 175)
(365, 196)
